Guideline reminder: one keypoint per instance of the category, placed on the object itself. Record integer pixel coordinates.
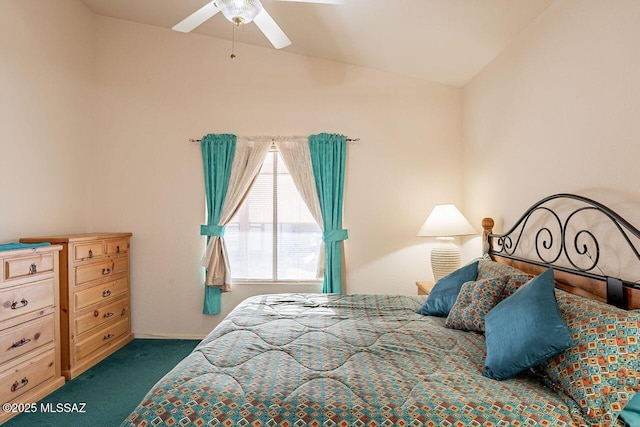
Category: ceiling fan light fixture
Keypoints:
(239, 11)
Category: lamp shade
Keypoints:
(445, 221)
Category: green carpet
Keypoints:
(111, 389)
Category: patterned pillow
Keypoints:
(517, 278)
(474, 302)
(601, 371)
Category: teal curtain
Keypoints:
(328, 159)
(217, 158)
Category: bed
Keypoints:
(375, 360)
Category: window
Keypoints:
(273, 236)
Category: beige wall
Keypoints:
(46, 80)
(156, 88)
(96, 114)
(100, 111)
(558, 111)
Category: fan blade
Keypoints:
(317, 1)
(268, 26)
(196, 18)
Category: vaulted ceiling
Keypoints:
(446, 41)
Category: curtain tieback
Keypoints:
(335, 235)
(212, 230)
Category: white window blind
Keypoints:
(273, 237)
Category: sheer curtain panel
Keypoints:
(297, 157)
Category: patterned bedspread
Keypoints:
(349, 360)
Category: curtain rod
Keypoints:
(275, 138)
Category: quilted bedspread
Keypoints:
(348, 360)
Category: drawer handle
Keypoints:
(106, 337)
(18, 385)
(124, 311)
(90, 253)
(20, 343)
(118, 249)
(106, 271)
(23, 303)
(96, 313)
(107, 315)
(106, 293)
(33, 268)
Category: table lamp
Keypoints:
(444, 222)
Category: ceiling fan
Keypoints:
(243, 12)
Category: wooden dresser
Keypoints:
(94, 297)
(29, 327)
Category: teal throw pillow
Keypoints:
(631, 412)
(445, 292)
(525, 329)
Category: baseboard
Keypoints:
(169, 337)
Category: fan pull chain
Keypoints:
(233, 41)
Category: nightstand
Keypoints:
(425, 286)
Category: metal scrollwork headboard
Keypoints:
(554, 233)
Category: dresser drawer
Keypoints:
(25, 337)
(27, 375)
(98, 270)
(33, 265)
(117, 246)
(102, 337)
(90, 250)
(103, 292)
(121, 265)
(102, 315)
(23, 299)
